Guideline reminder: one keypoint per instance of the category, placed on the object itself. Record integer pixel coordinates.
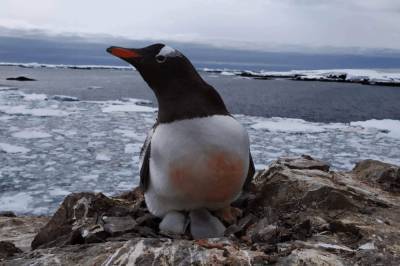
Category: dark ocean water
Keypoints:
(311, 101)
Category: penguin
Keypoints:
(196, 158)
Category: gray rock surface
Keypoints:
(386, 176)
(297, 212)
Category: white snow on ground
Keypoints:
(31, 134)
(392, 126)
(15, 201)
(8, 148)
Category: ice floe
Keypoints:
(24, 110)
(64, 98)
(15, 201)
(30, 134)
(34, 96)
(389, 126)
(129, 106)
(129, 133)
(86, 178)
(7, 88)
(103, 157)
(9, 148)
(289, 125)
(89, 149)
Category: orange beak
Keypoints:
(123, 53)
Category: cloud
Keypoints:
(256, 24)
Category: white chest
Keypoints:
(199, 155)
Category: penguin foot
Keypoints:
(173, 222)
(204, 225)
(229, 214)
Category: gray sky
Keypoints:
(252, 24)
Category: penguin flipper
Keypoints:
(145, 161)
(145, 170)
(250, 173)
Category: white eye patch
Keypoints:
(167, 51)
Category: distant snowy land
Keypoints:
(50, 146)
(363, 76)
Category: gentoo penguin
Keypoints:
(196, 158)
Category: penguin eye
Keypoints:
(161, 58)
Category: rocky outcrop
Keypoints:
(296, 212)
(20, 230)
(383, 175)
(8, 249)
(21, 78)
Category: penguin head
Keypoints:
(159, 65)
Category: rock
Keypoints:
(7, 214)
(87, 218)
(8, 249)
(21, 78)
(304, 162)
(296, 212)
(115, 225)
(21, 230)
(145, 251)
(386, 176)
(282, 187)
(310, 257)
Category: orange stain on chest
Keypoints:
(218, 178)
